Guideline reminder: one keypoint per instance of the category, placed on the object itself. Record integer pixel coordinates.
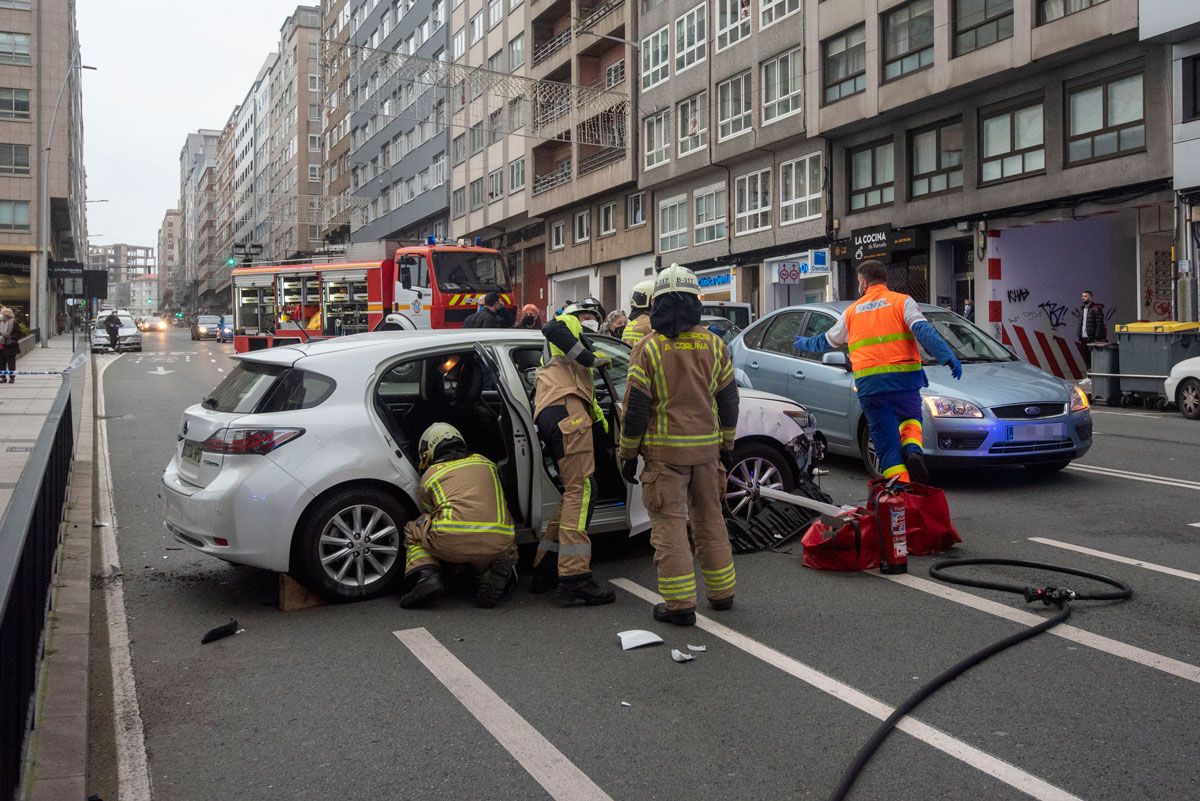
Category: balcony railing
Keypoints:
(549, 112)
(601, 159)
(596, 13)
(560, 176)
(551, 46)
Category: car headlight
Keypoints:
(203, 329)
(1079, 401)
(951, 407)
(802, 417)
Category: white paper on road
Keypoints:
(636, 638)
(697, 648)
(680, 656)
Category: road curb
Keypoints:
(56, 759)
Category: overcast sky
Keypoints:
(164, 68)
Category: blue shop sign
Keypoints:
(720, 279)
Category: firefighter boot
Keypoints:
(676, 617)
(918, 471)
(497, 583)
(425, 587)
(545, 574)
(721, 604)
(584, 590)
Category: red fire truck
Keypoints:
(432, 285)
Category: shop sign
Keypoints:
(880, 241)
(793, 271)
(717, 279)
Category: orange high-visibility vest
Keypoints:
(879, 339)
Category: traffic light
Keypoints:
(231, 262)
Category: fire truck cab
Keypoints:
(439, 285)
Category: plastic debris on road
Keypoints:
(626, 703)
(697, 648)
(636, 638)
(680, 656)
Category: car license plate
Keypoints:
(191, 451)
(1040, 432)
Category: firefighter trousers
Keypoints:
(676, 496)
(566, 431)
(894, 423)
(424, 546)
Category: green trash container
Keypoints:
(1148, 351)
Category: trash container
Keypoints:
(1148, 351)
(1106, 383)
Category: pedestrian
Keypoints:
(531, 318)
(639, 313)
(112, 324)
(464, 521)
(489, 314)
(10, 345)
(681, 411)
(969, 310)
(564, 412)
(1092, 328)
(614, 324)
(882, 329)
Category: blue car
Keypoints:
(1004, 411)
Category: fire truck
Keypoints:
(431, 285)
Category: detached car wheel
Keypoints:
(1188, 398)
(755, 465)
(352, 547)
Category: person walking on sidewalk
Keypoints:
(10, 344)
(1092, 328)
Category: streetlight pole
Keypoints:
(42, 281)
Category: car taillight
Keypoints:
(240, 441)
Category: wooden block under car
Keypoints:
(294, 596)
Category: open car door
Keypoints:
(611, 391)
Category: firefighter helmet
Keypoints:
(676, 278)
(435, 437)
(642, 294)
(589, 306)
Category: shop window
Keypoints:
(844, 64)
(1050, 10)
(1013, 144)
(1105, 119)
(979, 23)
(908, 39)
(936, 159)
(872, 176)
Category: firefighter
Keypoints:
(882, 329)
(464, 521)
(639, 313)
(681, 410)
(565, 410)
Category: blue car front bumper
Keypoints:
(990, 441)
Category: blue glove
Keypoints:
(955, 368)
(817, 344)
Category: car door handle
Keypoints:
(753, 365)
(798, 374)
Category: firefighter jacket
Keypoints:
(635, 329)
(464, 496)
(567, 372)
(681, 403)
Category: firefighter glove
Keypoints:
(955, 368)
(629, 470)
(602, 360)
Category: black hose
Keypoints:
(1055, 596)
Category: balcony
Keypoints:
(548, 47)
(561, 175)
(602, 158)
(591, 14)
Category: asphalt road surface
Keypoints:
(332, 703)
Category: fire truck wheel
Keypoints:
(352, 547)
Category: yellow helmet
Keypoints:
(643, 293)
(434, 437)
(676, 278)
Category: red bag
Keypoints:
(927, 517)
(846, 542)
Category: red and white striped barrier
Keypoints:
(1047, 351)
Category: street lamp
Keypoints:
(43, 279)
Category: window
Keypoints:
(635, 210)
(690, 43)
(14, 159)
(845, 64)
(495, 185)
(516, 51)
(872, 176)
(459, 148)
(1050, 10)
(1105, 120)
(495, 12)
(437, 170)
(708, 211)
(936, 159)
(496, 122)
(14, 49)
(476, 27)
(516, 115)
(733, 106)
(752, 202)
(672, 224)
(476, 194)
(14, 104)
(459, 202)
(314, 172)
(608, 219)
(1013, 144)
(800, 183)
(614, 74)
(1191, 91)
(774, 10)
(657, 140)
(476, 138)
(14, 215)
(908, 39)
(733, 22)
(314, 143)
(979, 23)
(656, 58)
(583, 226)
(516, 175)
(557, 235)
(783, 85)
(780, 337)
(691, 118)
(314, 112)
(460, 43)
(20, 5)
(493, 62)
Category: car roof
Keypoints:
(839, 306)
(392, 342)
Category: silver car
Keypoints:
(1004, 411)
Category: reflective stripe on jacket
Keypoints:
(635, 329)
(465, 496)
(563, 377)
(879, 339)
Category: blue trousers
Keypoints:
(894, 423)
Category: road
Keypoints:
(331, 703)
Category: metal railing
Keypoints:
(601, 159)
(597, 13)
(29, 538)
(562, 175)
(551, 46)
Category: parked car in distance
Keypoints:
(1004, 411)
(1183, 387)
(723, 327)
(128, 337)
(740, 314)
(304, 458)
(205, 327)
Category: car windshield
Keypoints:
(969, 342)
(208, 319)
(469, 271)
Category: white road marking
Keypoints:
(545, 763)
(1110, 472)
(214, 361)
(160, 371)
(133, 773)
(220, 370)
(1112, 557)
(1133, 414)
(1109, 646)
(1194, 525)
(980, 760)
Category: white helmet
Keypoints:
(642, 294)
(676, 278)
(434, 437)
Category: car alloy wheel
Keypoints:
(754, 466)
(869, 457)
(1188, 398)
(359, 546)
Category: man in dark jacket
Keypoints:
(1091, 328)
(490, 314)
(112, 324)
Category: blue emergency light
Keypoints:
(432, 240)
(479, 241)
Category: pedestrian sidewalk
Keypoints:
(25, 404)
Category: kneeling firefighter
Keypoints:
(464, 521)
(639, 313)
(564, 411)
(681, 411)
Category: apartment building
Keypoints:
(335, 141)
(196, 160)
(39, 58)
(214, 274)
(731, 179)
(1015, 153)
(168, 255)
(581, 167)
(260, 186)
(398, 120)
(124, 263)
(144, 300)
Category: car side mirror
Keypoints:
(836, 358)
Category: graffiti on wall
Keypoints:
(1055, 312)
(1018, 295)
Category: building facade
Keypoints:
(144, 300)
(197, 159)
(168, 256)
(335, 138)
(123, 263)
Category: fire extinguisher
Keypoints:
(892, 526)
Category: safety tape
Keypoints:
(76, 362)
